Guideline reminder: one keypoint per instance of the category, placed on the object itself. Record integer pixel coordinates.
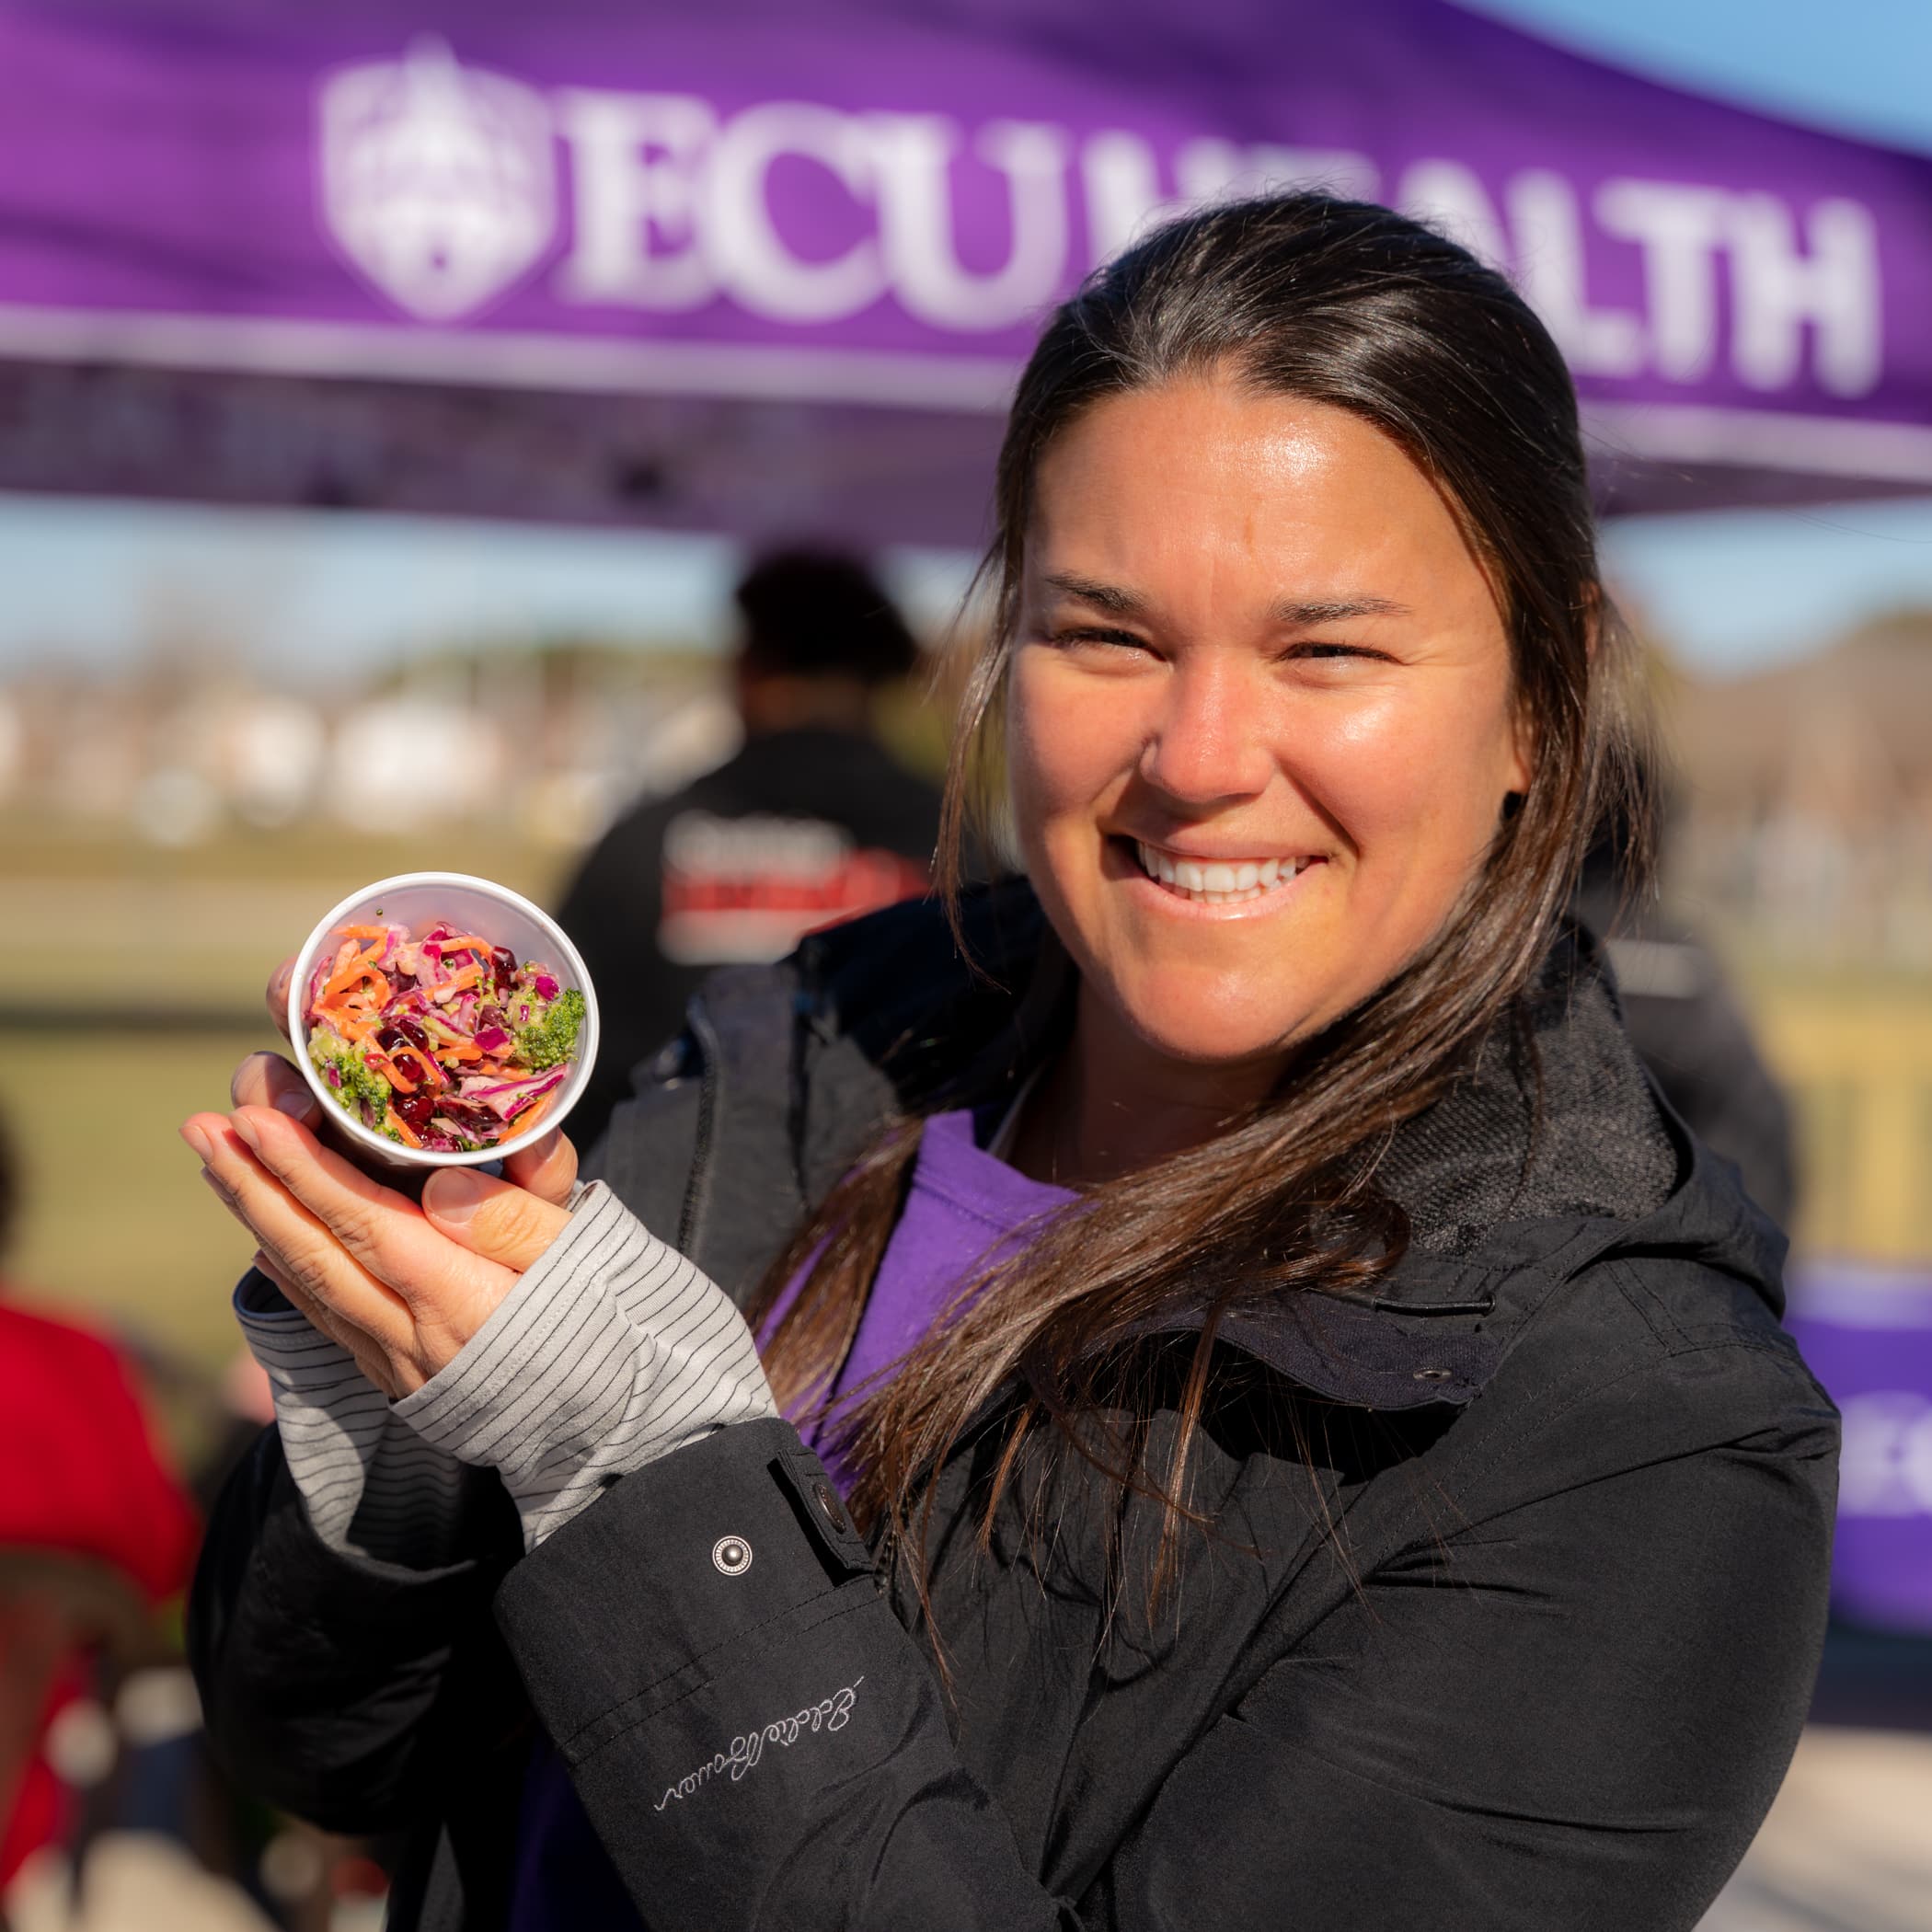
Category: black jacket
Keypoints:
(1507, 1617)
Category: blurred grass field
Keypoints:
(113, 1220)
(125, 926)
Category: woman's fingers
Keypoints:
(547, 1168)
(449, 1288)
(395, 1284)
(277, 995)
(373, 1361)
(495, 1219)
(268, 1080)
(351, 1300)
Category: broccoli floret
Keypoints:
(551, 1038)
(360, 1091)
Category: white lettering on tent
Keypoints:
(1210, 170)
(440, 183)
(1124, 193)
(1547, 227)
(1122, 180)
(915, 155)
(636, 164)
(1780, 289)
(1453, 200)
(751, 261)
(1682, 232)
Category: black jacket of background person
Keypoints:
(1507, 1621)
(859, 834)
(1684, 1019)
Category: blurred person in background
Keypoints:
(95, 1535)
(1686, 1021)
(1197, 1387)
(811, 822)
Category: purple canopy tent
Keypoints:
(754, 266)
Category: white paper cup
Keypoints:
(418, 900)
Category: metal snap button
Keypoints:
(830, 1504)
(1433, 1375)
(732, 1555)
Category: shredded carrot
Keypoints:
(481, 947)
(352, 1027)
(357, 972)
(378, 1061)
(365, 932)
(524, 1120)
(401, 1126)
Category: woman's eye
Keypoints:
(1086, 634)
(1320, 653)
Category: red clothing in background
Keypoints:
(79, 1474)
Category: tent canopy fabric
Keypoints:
(772, 268)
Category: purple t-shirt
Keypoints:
(962, 1205)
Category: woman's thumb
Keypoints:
(492, 1218)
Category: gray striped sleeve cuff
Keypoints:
(370, 1484)
(611, 1351)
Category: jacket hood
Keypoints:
(1552, 1150)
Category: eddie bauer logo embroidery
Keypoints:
(744, 1750)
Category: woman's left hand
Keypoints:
(402, 1287)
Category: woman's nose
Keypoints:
(1208, 742)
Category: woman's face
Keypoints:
(1261, 722)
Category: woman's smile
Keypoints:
(1193, 883)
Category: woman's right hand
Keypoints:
(400, 1283)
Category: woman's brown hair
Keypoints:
(1351, 305)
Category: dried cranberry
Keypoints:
(411, 1030)
(415, 1110)
(504, 961)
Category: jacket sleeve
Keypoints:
(353, 1692)
(1572, 1715)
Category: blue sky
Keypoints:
(95, 580)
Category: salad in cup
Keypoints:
(446, 1026)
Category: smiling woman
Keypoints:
(1305, 1434)
(1307, 673)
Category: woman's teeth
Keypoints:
(1217, 882)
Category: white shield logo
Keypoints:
(437, 178)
